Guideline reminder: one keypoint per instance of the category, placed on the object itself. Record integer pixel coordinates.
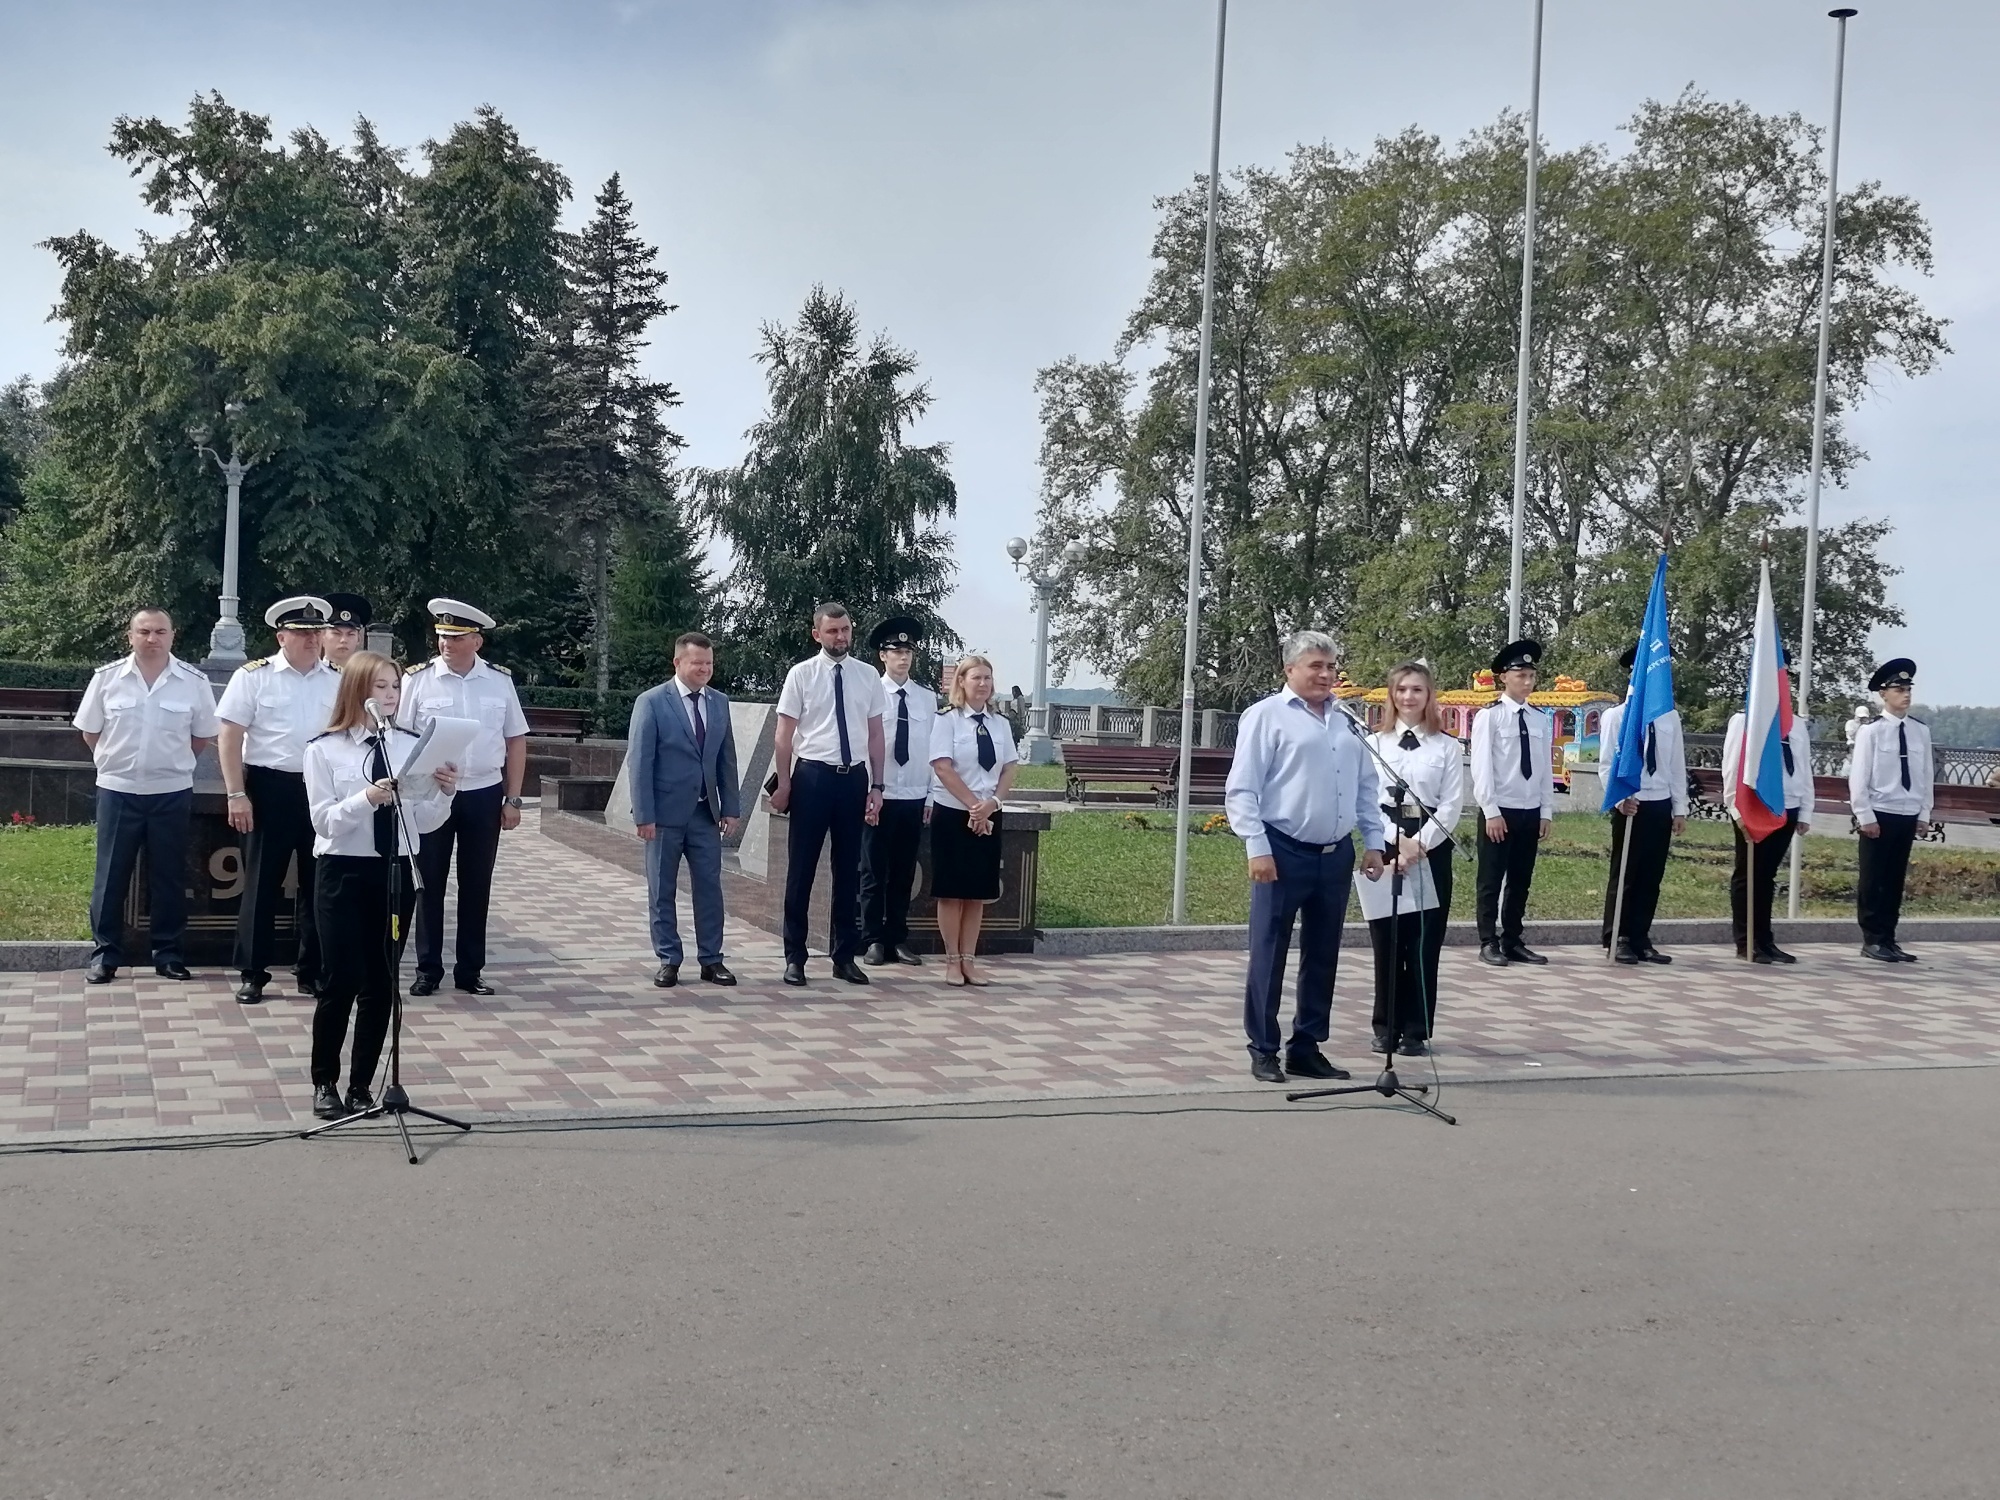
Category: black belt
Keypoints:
(251, 765)
(828, 765)
(1301, 844)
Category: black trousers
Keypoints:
(474, 828)
(1509, 867)
(889, 871)
(352, 909)
(1408, 987)
(1652, 829)
(280, 830)
(1755, 879)
(126, 823)
(824, 803)
(1885, 865)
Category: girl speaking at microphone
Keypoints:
(349, 771)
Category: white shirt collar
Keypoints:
(685, 691)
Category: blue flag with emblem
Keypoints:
(1650, 695)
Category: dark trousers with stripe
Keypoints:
(1310, 892)
(126, 823)
(1652, 833)
(1884, 867)
(280, 831)
(351, 905)
(1506, 871)
(1406, 990)
(1754, 881)
(473, 829)
(826, 803)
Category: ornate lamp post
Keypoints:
(1039, 749)
(225, 641)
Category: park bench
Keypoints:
(39, 703)
(1208, 777)
(1950, 804)
(1084, 764)
(558, 723)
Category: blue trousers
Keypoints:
(1311, 890)
(125, 822)
(699, 842)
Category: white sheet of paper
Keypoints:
(441, 742)
(1419, 892)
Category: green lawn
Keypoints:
(1116, 870)
(45, 882)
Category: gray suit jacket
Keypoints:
(664, 771)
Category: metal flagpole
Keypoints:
(1804, 705)
(1522, 367)
(1200, 477)
(1618, 902)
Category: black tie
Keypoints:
(840, 716)
(1790, 768)
(902, 726)
(700, 728)
(1527, 761)
(1903, 749)
(987, 755)
(385, 816)
(1652, 753)
(1409, 740)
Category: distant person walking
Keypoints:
(146, 718)
(973, 759)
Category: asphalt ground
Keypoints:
(1749, 1286)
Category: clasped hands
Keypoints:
(981, 821)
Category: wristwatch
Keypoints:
(878, 786)
(510, 801)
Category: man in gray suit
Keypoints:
(681, 767)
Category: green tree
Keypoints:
(832, 500)
(659, 589)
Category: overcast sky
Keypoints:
(979, 176)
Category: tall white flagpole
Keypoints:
(1522, 369)
(1200, 477)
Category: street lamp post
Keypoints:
(226, 641)
(1524, 363)
(1039, 749)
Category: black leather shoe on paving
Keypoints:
(1771, 953)
(1489, 953)
(99, 974)
(717, 974)
(1903, 955)
(249, 992)
(849, 970)
(425, 984)
(306, 986)
(173, 971)
(1314, 1064)
(1264, 1067)
(795, 974)
(1380, 1044)
(668, 977)
(474, 987)
(1655, 956)
(876, 956)
(326, 1102)
(1880, 952)
(1521, 953)
(1625, 954)
(359, 1100)
(1412, 1046)
(908, 956)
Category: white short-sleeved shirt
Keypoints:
(907, 780)
(143, 733)
(279, 709)
(808, 696)
(955, 738)
(486, 694)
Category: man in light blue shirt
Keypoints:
(1299, 785)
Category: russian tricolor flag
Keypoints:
(1767, 719)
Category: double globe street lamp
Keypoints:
(226, 641)
(1039, 749)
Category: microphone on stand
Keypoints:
(375, 714)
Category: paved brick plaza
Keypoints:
(578, 1027)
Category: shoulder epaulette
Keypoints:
(324, 733)
(251, 666)
(422, 666)
(410, 732)
(498, 668)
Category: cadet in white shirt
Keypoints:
(1890, 789)
(1754, 880)
(889, 851)
(1513, 781)
(460, 684)
(1655, 816)
(271, 707)
(830, 720)
(146, 718)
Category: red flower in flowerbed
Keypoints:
(24, 820)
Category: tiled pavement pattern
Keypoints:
(577, 1027)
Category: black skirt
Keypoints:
(965, 866)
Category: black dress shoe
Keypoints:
(1626, 954)
(359, 1099)
(795, 974)
(1521, 953)
(668, 977)
(425, 984)
(1264, 1067)
(849, 970)
(1771, 953)
(99, 974)
(173, 970)
(1903, 955)
(1303, 1063)
(876, 956)
(1880, 952)
(1412, 1046)
(1380, 1043)
(474, 987)
(250, 991)
(1489, 953)
(911, 957)
(717, 974)
(306, 985)
(1652, 955)
(326, 1102)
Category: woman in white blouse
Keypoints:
(1431, 764)
(972, 762)
(348, 796)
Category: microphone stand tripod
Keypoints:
(1388, 1085)
(395, 1101)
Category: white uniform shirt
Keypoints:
(337, 782)
(1497, 781)
(1669, 783)
(279, 709)
(485, 694)
(910, 782)
(807, 696)
(1798, 781)
(1875, 778)
(955, 740)
(1306, 776)
(1435, 775)
(143, 733)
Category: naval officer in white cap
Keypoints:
(458, 683)
(270, 709)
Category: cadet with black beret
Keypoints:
(1652, 817)
(889, 848)
(1889, 788)
(1513, 781)
(346, 627)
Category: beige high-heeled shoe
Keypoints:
(952, 960)
(965, 968)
